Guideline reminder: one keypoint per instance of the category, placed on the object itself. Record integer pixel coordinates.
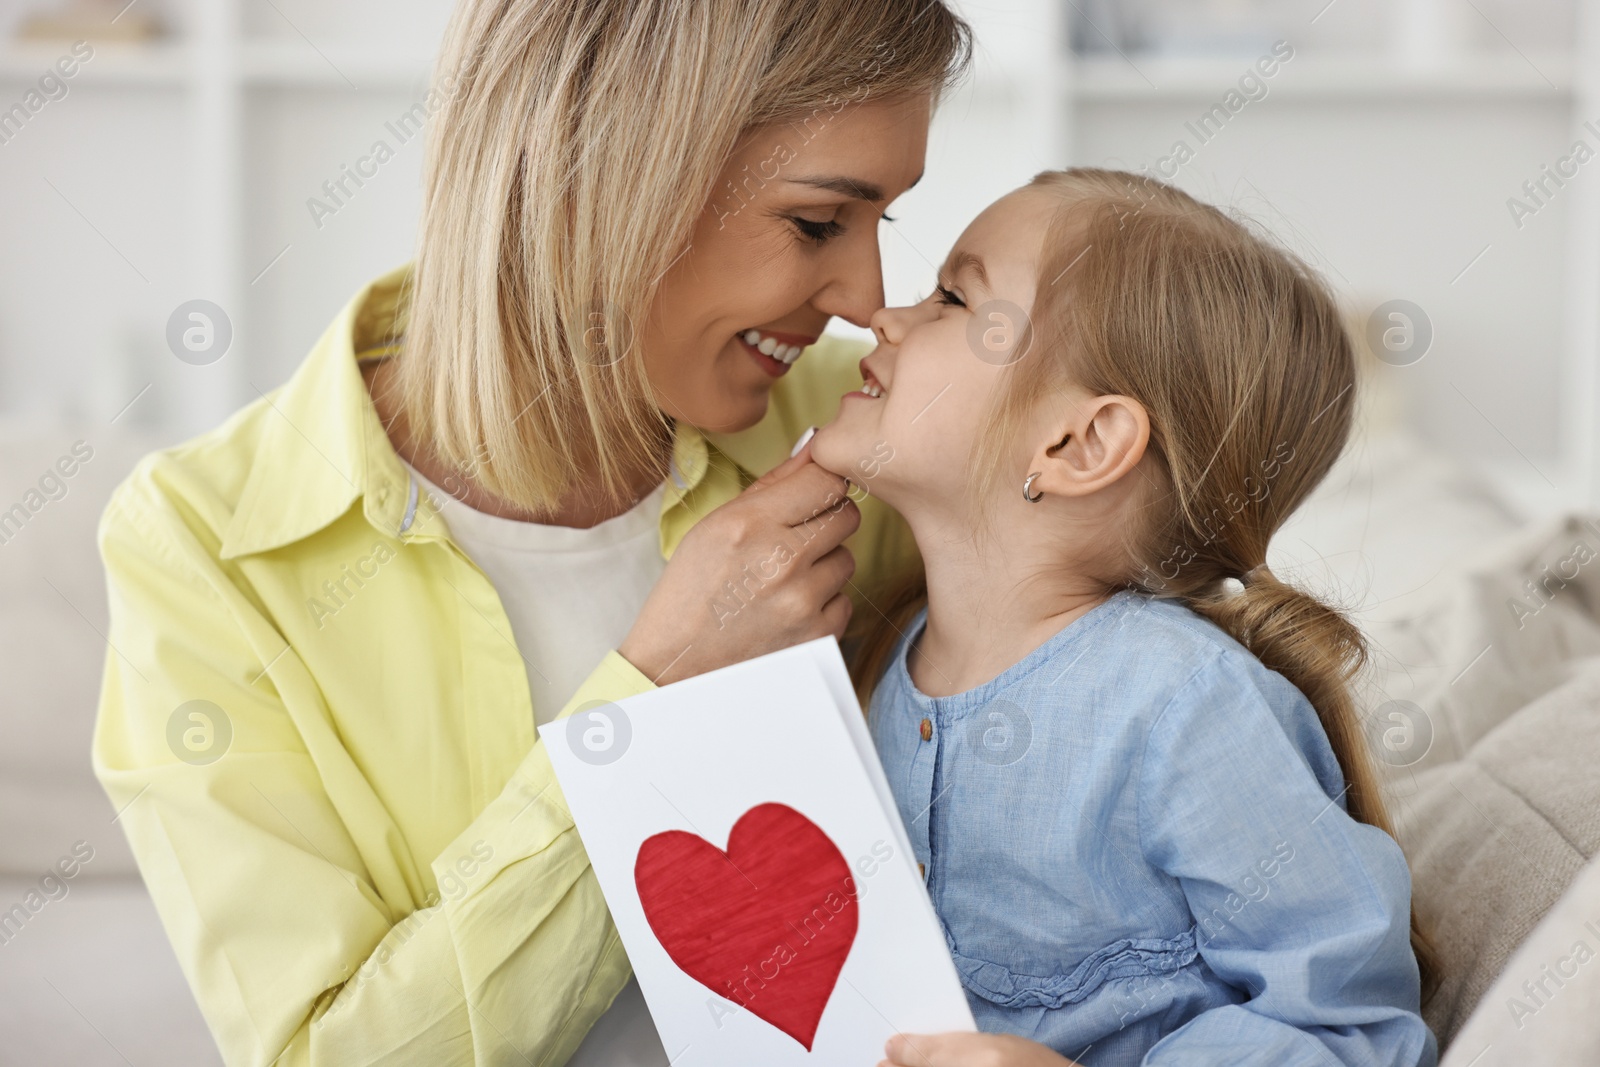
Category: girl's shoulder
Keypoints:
(1174, 640)
(1149, 656)
(1126, 657)
(1214, 684)
(1134, 635)
(1122, 664)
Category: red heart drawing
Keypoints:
(766, 924)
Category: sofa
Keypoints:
(1498, 811)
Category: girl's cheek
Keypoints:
(928, 452)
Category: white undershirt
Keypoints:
(571, 596)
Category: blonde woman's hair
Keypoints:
(563, 176)
(1238, 353)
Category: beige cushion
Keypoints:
(1500, 808)
(1495, 839)
(1545, 1006)
(1460, 653)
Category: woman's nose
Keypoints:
(890, 325)
(855, 289)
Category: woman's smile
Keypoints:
(773, 351)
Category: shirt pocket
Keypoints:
(1125, 958)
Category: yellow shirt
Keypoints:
(319, 733)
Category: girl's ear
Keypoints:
(1097, 441)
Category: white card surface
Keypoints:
(696, 756)
(624, 1036)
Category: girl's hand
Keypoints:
(969, 1050)
(764, 571)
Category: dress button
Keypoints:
(927, 730)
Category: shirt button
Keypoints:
(922, 869)
(927, 730)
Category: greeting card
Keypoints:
(753, 860)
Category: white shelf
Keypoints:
(226, 65)
(1325, 77)
(261, 63)
(162, 64)
(294, 63)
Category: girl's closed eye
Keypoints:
(947, 297)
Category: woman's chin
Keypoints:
(732, 415)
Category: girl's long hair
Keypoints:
(1238, 353)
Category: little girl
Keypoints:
(1126, 752)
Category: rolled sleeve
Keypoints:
(614, 679)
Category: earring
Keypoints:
(1027, 489)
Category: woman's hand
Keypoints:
(969, 1050)
(764, 571)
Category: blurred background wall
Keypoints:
(180, 165)
(1435, 159)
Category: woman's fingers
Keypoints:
(802, 493)
(825, 532)
(916, 1050)
(765, 571)
(832, 570)
(836, 613)
(811, 508)
(969, 1050)
(784, 469)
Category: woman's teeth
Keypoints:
(771, 346)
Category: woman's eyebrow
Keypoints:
(851, 187)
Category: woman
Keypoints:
(318, 718)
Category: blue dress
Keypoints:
(1138, 846)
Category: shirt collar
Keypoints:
(323, 445)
